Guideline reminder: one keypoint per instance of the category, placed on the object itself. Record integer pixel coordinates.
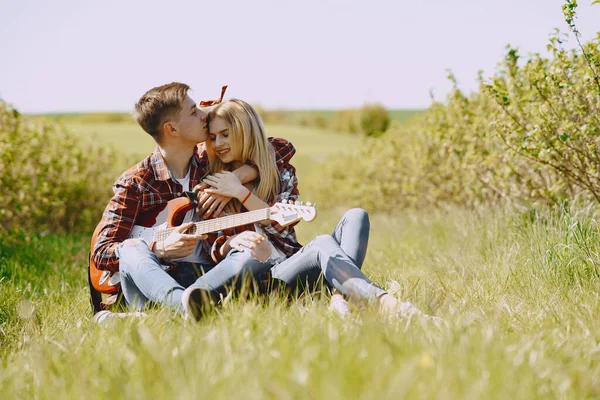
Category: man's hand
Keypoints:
(257, 244)
(225, 184)
(178, 244)
(211, 204)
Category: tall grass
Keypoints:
(518, 293)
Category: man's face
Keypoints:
(192, 122)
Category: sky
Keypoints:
(73, 55)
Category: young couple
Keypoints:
(237, 169)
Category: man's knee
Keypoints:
(243, 261)
(131, 252)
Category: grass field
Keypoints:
(313, 145)
(130, 138)
(518, 294)
(398, 115)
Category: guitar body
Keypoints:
(109, 282)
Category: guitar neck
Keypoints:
(218, 224)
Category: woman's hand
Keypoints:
(257, 244)
(225, 184)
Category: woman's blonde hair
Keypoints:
(248, 138)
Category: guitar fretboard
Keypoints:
(218, 224)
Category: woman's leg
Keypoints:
(325, 253)
(352, 234)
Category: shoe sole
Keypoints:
(195, 302)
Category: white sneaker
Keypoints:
(339, 305)
(407, 310)
(105, 316)
(195, 301)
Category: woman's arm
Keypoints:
(228, 184)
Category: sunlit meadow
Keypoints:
(518, 293)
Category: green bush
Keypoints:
(529, 136)
(312, 119)
(550, 113)
(50, 178)
(374, 119)
(347, 121)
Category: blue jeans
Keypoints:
(143, 280)
(338, 257)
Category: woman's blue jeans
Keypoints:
(339, 257)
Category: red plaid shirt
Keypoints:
(283, 238)
(143, 191)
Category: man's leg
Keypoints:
(352, 233)
(230, 273)
(143, 280)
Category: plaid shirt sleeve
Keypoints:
(117, 222)
(284, 238)
(284, 151)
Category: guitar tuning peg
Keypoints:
(308, 203)
(298, 203)
(284, 201)
(315, 205)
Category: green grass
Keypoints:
(313, 143)
(519, 297)
(518, 293)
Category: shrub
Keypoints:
(550, 111)
(374, 119)
(347, 121)
(50, 178)
(529, 136)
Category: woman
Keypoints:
(237, 136)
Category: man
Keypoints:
(141, 193)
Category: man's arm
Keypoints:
(288, 192)
(117, 221)
(284, 151)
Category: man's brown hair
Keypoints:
(159, 105)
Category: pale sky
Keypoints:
(77, 55)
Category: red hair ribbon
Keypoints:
(206, 103)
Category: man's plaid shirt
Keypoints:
(143, 191)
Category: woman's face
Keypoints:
(218, 139)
